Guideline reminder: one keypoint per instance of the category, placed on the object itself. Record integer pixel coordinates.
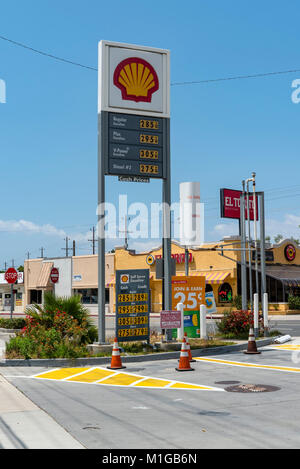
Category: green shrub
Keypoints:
(237, 302)
(236, 324)
(294, 302)
(71, 307)
(51, 334)
(16, 323)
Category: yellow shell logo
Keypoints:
(124, 278)
(150, 259)
(136, 79)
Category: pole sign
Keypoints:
(11, 275)
(132, 305)
(230, 204)
(54, 275)
(134, 102)
(133, 144)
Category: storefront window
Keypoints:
(208, 288)
(225, 293)
(90, 295)
(36, 296)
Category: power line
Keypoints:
(182, 83)
(19, 44)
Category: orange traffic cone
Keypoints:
(188, 347)
(116, 362)
(184, 362)
(251, 343)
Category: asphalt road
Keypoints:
(100, 416)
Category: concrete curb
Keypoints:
(92, 361)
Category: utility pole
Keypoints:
(74, 248)
(249, 247)
(255, 235)
(67, 246)
(93, 240)
(42, 252)
(5, 266)
(125, 233)
(28, 255)
(243, 252)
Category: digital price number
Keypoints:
(131, 321)
(132, 309)
(139, 331)
(149, 154)
(149, 124)
(130, 297)
(149, 168)
(149, 139)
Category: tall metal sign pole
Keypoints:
(133, 137)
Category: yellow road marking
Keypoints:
(92, 375)
(187, 386)
(153, 383)
(61, 373)
(286, 347)
(102, 376)
(121, 379)
(249, 365)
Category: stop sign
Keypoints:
(11, 275)
(54, 275)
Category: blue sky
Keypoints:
(220, 132)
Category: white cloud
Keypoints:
(24, 226)
(288, 227)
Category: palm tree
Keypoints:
(72, 306)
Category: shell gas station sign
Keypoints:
(133, 135)
(134, 92)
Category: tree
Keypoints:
(278, 238)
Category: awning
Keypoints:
(289, 275)
(44, 276)
(212, 277)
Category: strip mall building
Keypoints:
(222, 271)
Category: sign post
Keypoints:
(11, 276)
(133, 137)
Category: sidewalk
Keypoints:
(23, 425)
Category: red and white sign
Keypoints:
(54, 275)
(134, 79)
(170, 319)
(11, 275)
(230, 204)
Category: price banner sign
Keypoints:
(191, 292)
(188, 290)
(132, 305)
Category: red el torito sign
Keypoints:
(230, 204)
